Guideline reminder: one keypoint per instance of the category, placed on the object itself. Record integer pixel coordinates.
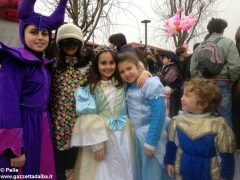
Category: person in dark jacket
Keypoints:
(231, 70)
(151, 61)
(184, 58)
(172, 76)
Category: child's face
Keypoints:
(70, 50)
(190, 103)
(129, 71)
(166, 60)
(36, 39)
(106, 66)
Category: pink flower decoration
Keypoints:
(175, 24)
(180, 9)
(187, 22)
(186, 45)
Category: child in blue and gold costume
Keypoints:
(200, 146)
(146, 109)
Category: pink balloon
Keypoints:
(187, 22)
(186, 45)
(180, 9)
(171, 27)
(175, 24)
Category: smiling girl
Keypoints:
(25, 129)
(146, 109)
(102, 128)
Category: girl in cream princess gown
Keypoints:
(103, 128)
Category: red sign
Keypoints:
(8, 9)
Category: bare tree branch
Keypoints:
(201, 10)
(84, 13)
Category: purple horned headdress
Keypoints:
(28, 16)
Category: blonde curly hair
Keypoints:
(206, 92)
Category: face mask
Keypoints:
(70, 42)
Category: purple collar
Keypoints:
(23, 55)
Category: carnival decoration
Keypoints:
(176, 23)
(185, 44)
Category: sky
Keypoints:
(135, 31)
(230, 12)
(129, 22)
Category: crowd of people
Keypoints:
(102, 114)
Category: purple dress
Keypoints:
(24, 120)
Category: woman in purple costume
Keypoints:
(25, 129)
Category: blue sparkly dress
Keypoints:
(146, 109)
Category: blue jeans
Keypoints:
(225, 107)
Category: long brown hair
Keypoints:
(84, 56)
(95, 77)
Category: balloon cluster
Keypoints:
(175, 24)
(185, 44)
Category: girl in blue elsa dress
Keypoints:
(103, 128)
(146, 109)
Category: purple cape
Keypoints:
(24, 120)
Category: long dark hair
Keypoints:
(84, 56)
(95, 76)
